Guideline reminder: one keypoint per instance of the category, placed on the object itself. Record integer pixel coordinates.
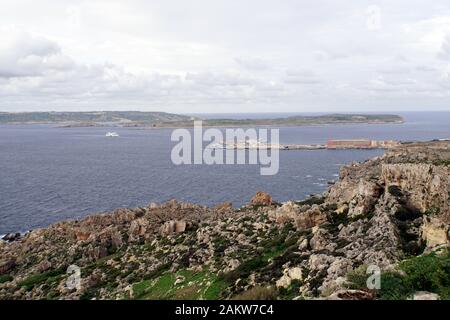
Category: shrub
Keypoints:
(257, 293)
(357, 279)
(395, 191)
(405, 214)
(35, 279)
(5, 278)
(312, 200)
(423, 273)
(393, 287)
(433, 211)
(428, 273)
(292, 291)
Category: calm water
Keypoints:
(50, 174)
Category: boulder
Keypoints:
(10, 237)
(425, 184)
(425, 295)
(138, 227)
(44, 266)
(287, 212)
(434, 232)
(81, 235)
(232, 264)
(7, 265)
(172, 226)
(262, 199)
(351, 295)
(224, 206)
(365, 196)
(310, 218)
(289, 274)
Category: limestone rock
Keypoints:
(82, 235)
(427, 185)
(434, 232)
(351, 295)
(7, 265)
(424, 295)
(289, 274)
(287, 212)
(310, 218)
(172, 226)
(224, 206)
(262, 199)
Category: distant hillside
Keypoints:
(310, 120)
(92, 118)
(163, 119)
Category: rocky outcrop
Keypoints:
(310, 218)
(426, 185)
(172, 226)
(435, 232)
(262, 199)
(380, 212)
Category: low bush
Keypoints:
(395, 191)
(423, 273)
(257, 293)
(5, 278)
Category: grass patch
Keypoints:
(47, 277)
(6, 278)
(423, 273)
(445, 162)
(196, 285)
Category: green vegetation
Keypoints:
(90, 117)
(46, 277)
(311, 201)
(190, 286)
(445, 162)
(423, 273)
(395, 191)
(5, 278)
(433, 211)
(290, 292)
(277, 250)
(162, 119)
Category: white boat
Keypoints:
(112, 134)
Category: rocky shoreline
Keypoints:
(391, 211)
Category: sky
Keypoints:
(208, 56)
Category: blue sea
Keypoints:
(50, 174)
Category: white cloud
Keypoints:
(224, 56)
(444, 53)
(252, 63)
(373, 18)
(301, 77)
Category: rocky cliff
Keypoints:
(389, 212)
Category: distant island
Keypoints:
(164, 120)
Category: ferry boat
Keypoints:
(112, 134)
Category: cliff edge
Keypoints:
(390, 213)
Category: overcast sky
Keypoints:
(225, 55)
